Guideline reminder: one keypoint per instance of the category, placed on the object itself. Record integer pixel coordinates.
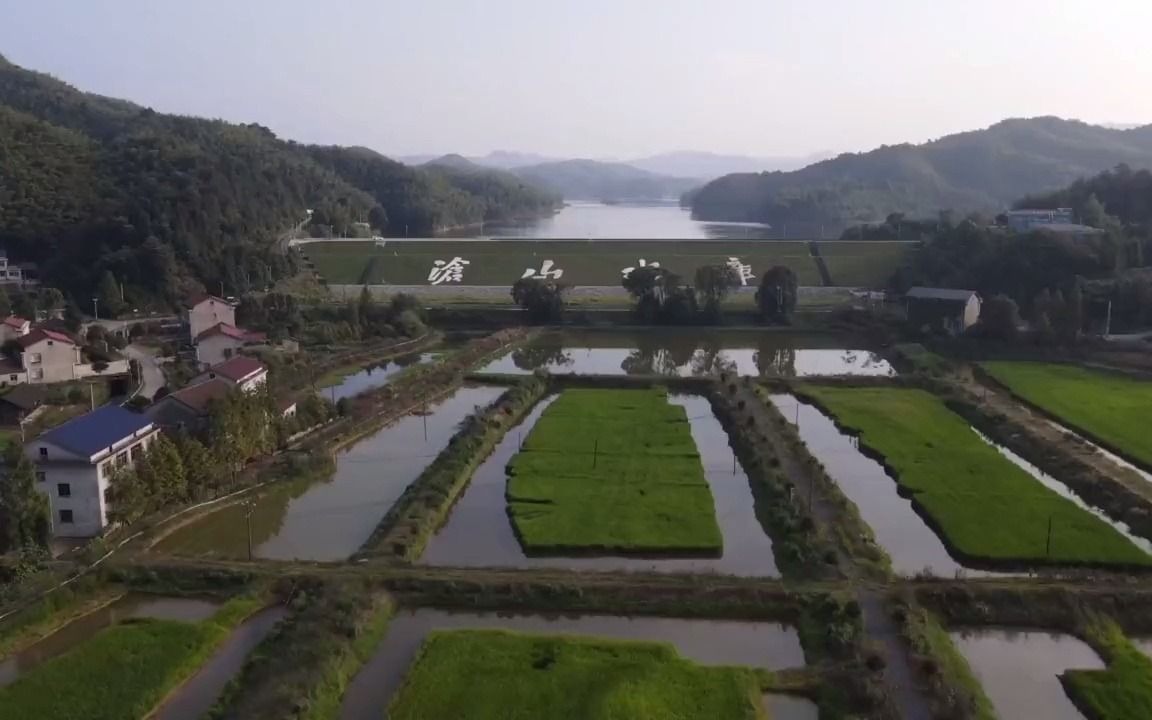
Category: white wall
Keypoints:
(209, 313)
(216, 349)
(50, 361)
(89, 512)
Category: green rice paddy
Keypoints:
(1122, 691)
(612, 472)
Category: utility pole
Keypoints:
(91, 396)
(1108, 321)
(248, 508)
(595, 451)
(96, 308)
(1048, 545)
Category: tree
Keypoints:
(201, 470)
(713, 283)
(24, 512)
(24, 307)
(1000, 318)
(127, 496)
(161, 470)
(50, 299)
(5, 303)
(108, 296)
(542, 299)
(776, 296)
(651, 287)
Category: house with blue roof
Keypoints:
(76, 461)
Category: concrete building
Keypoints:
(187, 409)
(49, 356)
(206, 312)
(20, 403)
(1027, 220)
(223, 342)
(10, 273)
(13, 328)
(241, 371)
(942, 309)
(75, 463)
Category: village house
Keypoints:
(14, 328)
(11, 373)
(942, 309)
(223, 342)
(207, 311)
(241, 371)
(188, 408)
(20, 403)
(75, 463)
(49, 356)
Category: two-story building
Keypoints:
(207, 311)
(49, 356)
(76, 461)
(188, 409)
(14, 328)
(10, 273)
(243, 372)
(223, 342)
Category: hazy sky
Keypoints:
(601, 78)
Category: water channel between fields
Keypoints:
(709, 642)
(329, 520)
(697, 353)
(1102, 451)
(479, 532)
(86, 626)
(375, 376)
(1019, 669)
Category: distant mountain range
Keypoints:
(978, 171)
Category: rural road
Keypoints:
(151, 377)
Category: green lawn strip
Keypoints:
(1110, 407)
(124, 670)
(986, 507)
(496, 675)
(612, 471)
(1122, 691)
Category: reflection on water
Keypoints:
(1019, 670)
(83, 628)
(786, 707)
(375, 376)
(479, 532)
(690, 353)
(900, 531)
(328, 521)
(709, 642)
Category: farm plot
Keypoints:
(1108, 407)
(985, 507)
(480, 674)
(1123, 691)
(612, 472)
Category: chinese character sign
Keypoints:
(744, 271)
(545, 272)
(627, 272)
(448, 271)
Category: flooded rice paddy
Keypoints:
(479, 532)
(375, 376)
(690, 353)
(1019, 669)
(329, 520)
(709, 642)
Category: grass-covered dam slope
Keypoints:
(1108, 406)
(985, 506)
(612, 472)
(499, 675)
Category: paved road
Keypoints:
(151, 376)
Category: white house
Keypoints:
(241, 371)
(223, 342)
(13, 328)
(206, 312)
(75, 462)
(952, 311)
(49, 356)
(10, 274)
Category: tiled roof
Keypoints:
(197, 299)
(41, 334)
(233, 332)
(940, 294)
(25, 397)
(13, 321)
(200, 396)
(238, 368)
(99, 429)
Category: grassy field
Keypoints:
(501, 263)
(612, 471)
(863, 264)
(122, 672)
(495, 675)
(1110, 407)
(1122, 691)
(985, 506)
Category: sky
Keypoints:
(601, 78)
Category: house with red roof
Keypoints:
(224, 341)
(206, 311)
(14, 328)
(49, 356)
(243, 372)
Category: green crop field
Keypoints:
(496, 675)
(612, 471)
(853, 263)
(501, 262)
(1122, 691)
(985, 505)
(1111, 408)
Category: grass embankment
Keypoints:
(986, 508)
(612, 471)
(124, 671)
(1122, 691)
(481, 674)
(1109, 407)
(869, 264)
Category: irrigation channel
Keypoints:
(910, 542)
(479, 533)
(709, 642)
(86, 626)
(328, 521)
(694, 353)
(374, 376)
(1019, 669)
(1103, 452)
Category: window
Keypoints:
(43, 452)
(64, 489)
(136, 452)
(227, 352)
(41, 476)
(33, 358)
(122, 459)
(36, 374)
(66, 517)
(50, 343)
(12, 378)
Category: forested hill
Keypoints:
(90, 184)
(979, 171)
(1121, 193)
(603, 181)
